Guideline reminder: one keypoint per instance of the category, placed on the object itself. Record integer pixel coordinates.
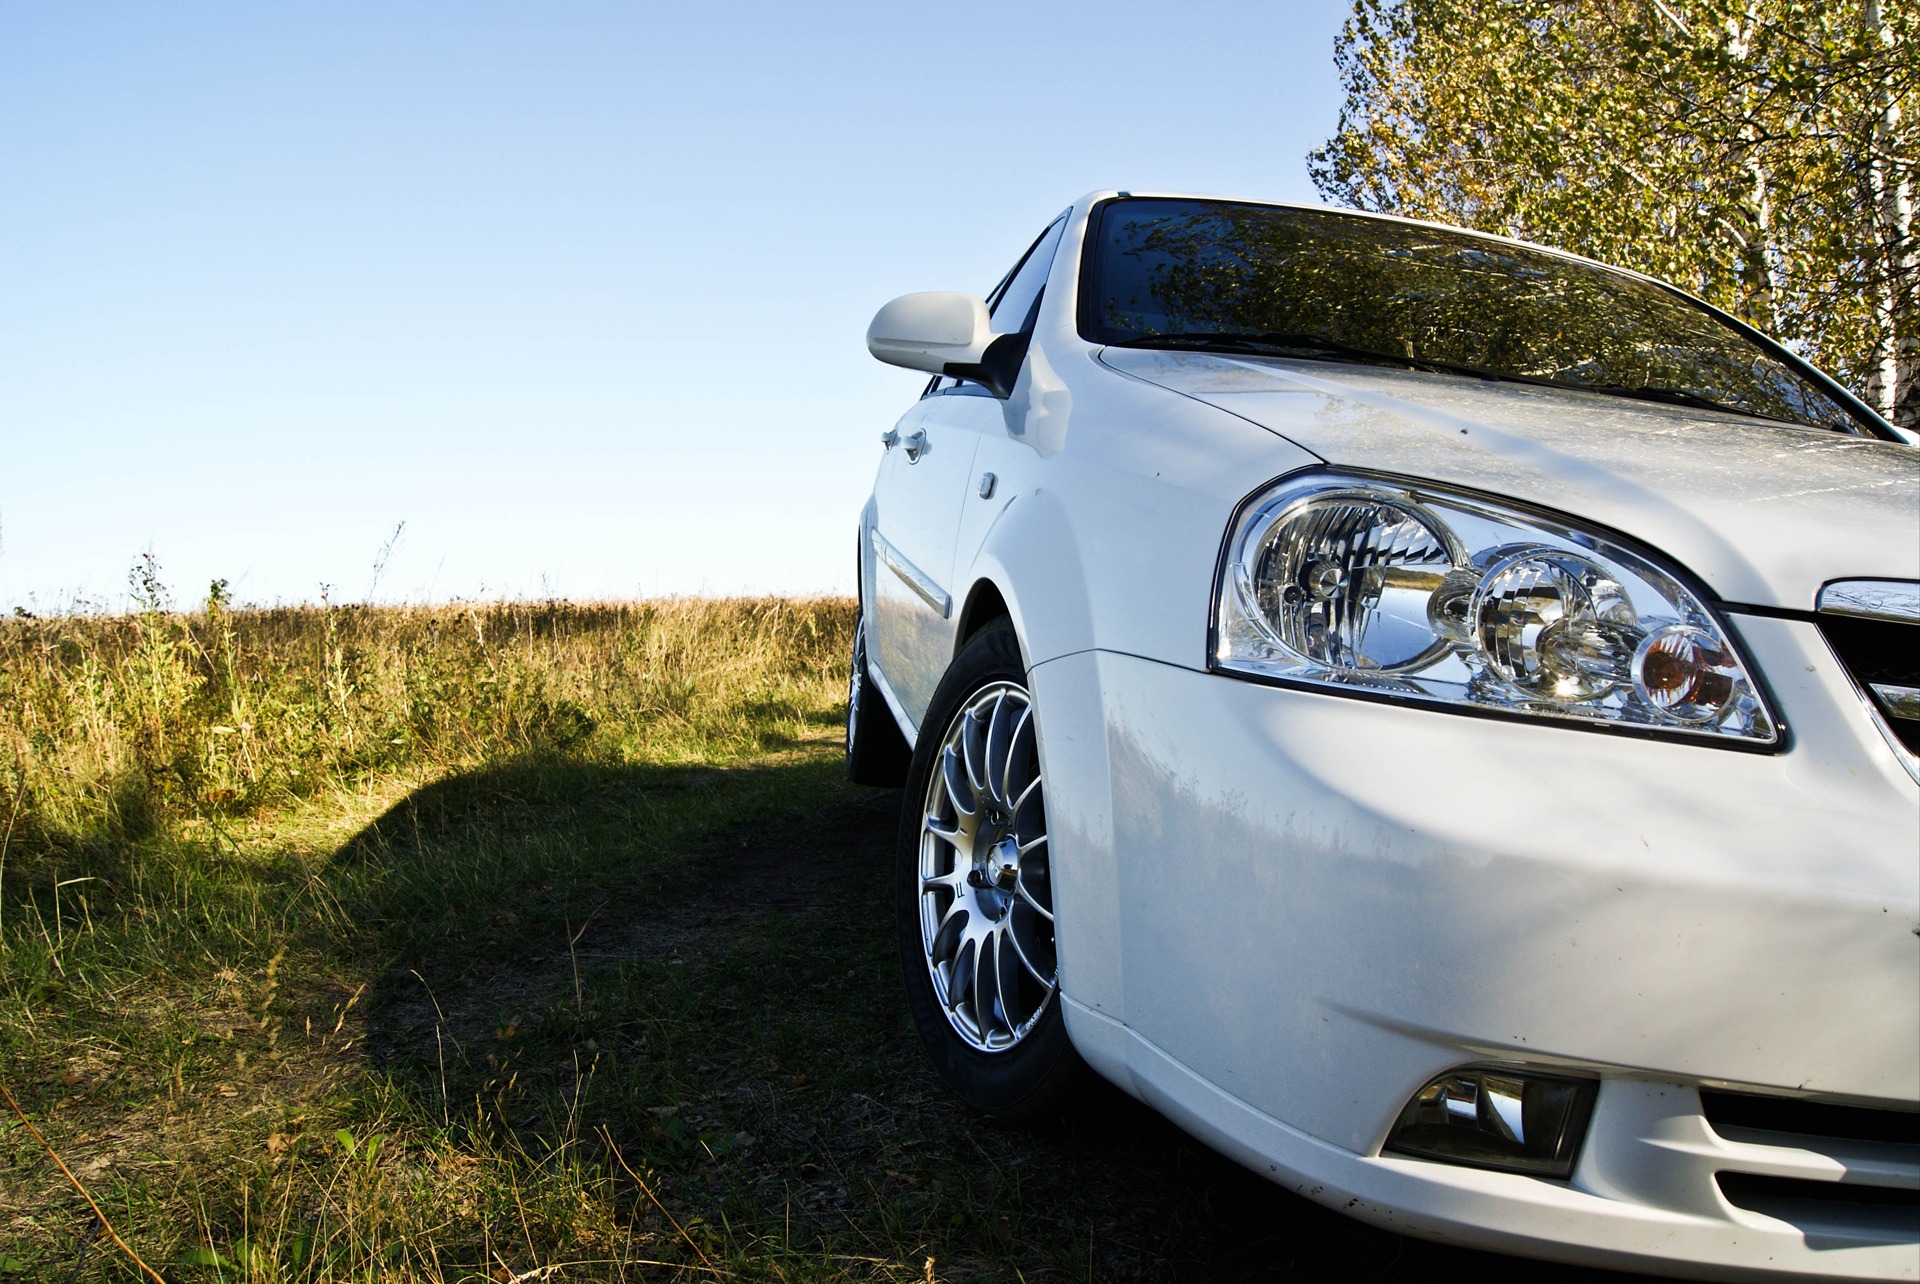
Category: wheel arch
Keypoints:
(985, 603)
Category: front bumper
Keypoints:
(1282, 912)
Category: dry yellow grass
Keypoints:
(196, 949)
(113, 726)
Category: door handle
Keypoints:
(916, 444)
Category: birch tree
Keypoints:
(1760, 153)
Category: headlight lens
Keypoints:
(1416, 593)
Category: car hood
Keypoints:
(1763, 514)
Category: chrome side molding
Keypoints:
(913, 577)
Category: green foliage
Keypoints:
(117, 728)
(233, 844)
(1758, 152)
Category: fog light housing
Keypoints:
(1502, 1119)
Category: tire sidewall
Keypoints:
(875, 752)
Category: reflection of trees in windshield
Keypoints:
(1423, 295)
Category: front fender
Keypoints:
(1064, 623)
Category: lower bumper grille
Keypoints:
(1749, 1190)
(1867, 1161)
(1830, 1214)
(1790, 1115)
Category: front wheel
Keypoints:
(975, 892)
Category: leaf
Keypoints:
(1726, 148)
(11, 1265)
(205, 1257)
(346, 1141)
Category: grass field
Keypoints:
(514, 942)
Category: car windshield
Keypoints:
(1219, 276)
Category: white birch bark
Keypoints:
(1893, 384)
(1763, 269)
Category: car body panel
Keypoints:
(1655, 1141)
(1283, 858)
(1282, 911)
(1292, 913)
(912, 535)
(1764, 513)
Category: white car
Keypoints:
(1434, 716)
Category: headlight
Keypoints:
(1417, 594)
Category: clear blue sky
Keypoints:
(576, 291)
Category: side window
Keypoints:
(1012, 302)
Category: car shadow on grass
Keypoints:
(690, 973)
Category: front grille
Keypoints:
(1884, 659)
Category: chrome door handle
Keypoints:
(916, 444)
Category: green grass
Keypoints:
(532, 941)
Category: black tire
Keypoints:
(877, 754)
(1005, 1054)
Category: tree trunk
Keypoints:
(1762, 266)
(1894, 383)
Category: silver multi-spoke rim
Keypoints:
(986, 901)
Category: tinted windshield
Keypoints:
(1253, 278)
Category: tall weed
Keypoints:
(220, 828)
(116, 728)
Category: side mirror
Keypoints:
(931, 331)
(950, 334)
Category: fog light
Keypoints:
(1521, 1123)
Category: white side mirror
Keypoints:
(931, 331)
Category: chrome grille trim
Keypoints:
(1894, 600)
(1900, 702)
(1873, 627)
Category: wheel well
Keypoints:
(984, 606)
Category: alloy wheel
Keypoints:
(985, 898)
